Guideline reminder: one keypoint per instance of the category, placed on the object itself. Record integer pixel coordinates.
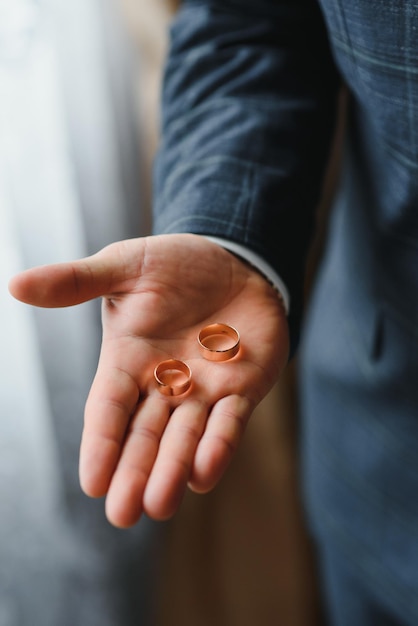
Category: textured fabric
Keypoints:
(249, 101)
(349, 601)
(360, 352)
(237, 140)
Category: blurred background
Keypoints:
(79, 88)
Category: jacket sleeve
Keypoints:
(248, 111)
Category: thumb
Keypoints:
(67, 284)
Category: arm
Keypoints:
(248, 113)
(238, 162)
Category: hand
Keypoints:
(139, 447)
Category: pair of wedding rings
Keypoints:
(217, 342)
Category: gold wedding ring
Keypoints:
(219, 342)
(173, 377)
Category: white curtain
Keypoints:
(69, 172)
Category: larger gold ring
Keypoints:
(219, 342)
(173, 377)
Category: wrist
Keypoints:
(260, 266)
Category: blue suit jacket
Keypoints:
(249, 104)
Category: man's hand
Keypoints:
(139, 447)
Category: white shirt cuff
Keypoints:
(259, 264)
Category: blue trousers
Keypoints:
(359, 426)
(347, 600)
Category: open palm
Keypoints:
(140, 447)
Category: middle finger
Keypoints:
(173, 464)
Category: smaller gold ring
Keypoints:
(219, 342)
(173, 377)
